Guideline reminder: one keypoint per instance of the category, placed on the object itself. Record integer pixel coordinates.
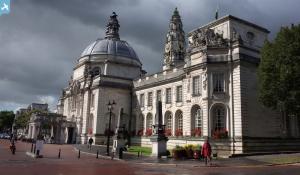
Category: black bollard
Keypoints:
(78, 154)
(34, 148)
(31, 147)
(59, 153)
(138, 153)
(97, 154)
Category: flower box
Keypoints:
(178, 132)
(220, 134)
(149, 132)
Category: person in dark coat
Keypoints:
(206, 152)
(91, 140)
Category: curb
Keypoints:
(99, 155)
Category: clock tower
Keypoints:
(175, 43)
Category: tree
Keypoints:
(279, 72)
(23, 119)
(6, 120)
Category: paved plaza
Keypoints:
(87, 164)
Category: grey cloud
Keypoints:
(41, 39)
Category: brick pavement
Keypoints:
(51, 165)
(89, 165)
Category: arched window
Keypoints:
(149, 121)
(168, 120)
(196, 121)
(179, 123)
(142, 121)
(179, 120)
(219, 114)
(168, 123)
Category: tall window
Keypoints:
(149, 121)
(196, 85)
(150, 98)
(168, 96)
(168, 120)
(93, 100)
(142, 100)
(218, 82)
(179, 121)
(198, 119)
(179, 94)
(142, 120)
(158, 95)
(220, 118)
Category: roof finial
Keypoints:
(175, 13)
(217, 11)
(112, 28)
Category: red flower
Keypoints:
(220, 133)
(168, 132)
(178, 132)
(149, 132)
(196, 132)
(140, 132)
(90, 130)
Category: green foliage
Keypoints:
(279, 72)
(6, 120)
(145, 150)
(23, 119)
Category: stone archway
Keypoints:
(219, 119)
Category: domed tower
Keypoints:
(115, 57)
(103, 73)
(175, 43)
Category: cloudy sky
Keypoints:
(40, 40)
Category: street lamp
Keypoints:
(110, 108)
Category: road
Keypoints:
(21, 164)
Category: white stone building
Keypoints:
(208, 88)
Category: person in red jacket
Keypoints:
(206, 152)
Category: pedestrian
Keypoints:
(12, 147)
(90, 142)
(52, 139)
(206, 152)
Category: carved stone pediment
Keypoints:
(207, 38)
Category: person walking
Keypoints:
(91, 140)
(206, 152)
(12, 147)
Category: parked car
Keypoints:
(4, 136)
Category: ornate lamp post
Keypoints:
(110, 108)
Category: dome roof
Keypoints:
(110, 47)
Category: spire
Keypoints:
(175, 42)
(112, 28)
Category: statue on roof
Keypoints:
(112, 28)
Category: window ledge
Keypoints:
(196, 95)
(179, 103)
(149, 107)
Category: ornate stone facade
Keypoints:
(175, 43)
(208, 90)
